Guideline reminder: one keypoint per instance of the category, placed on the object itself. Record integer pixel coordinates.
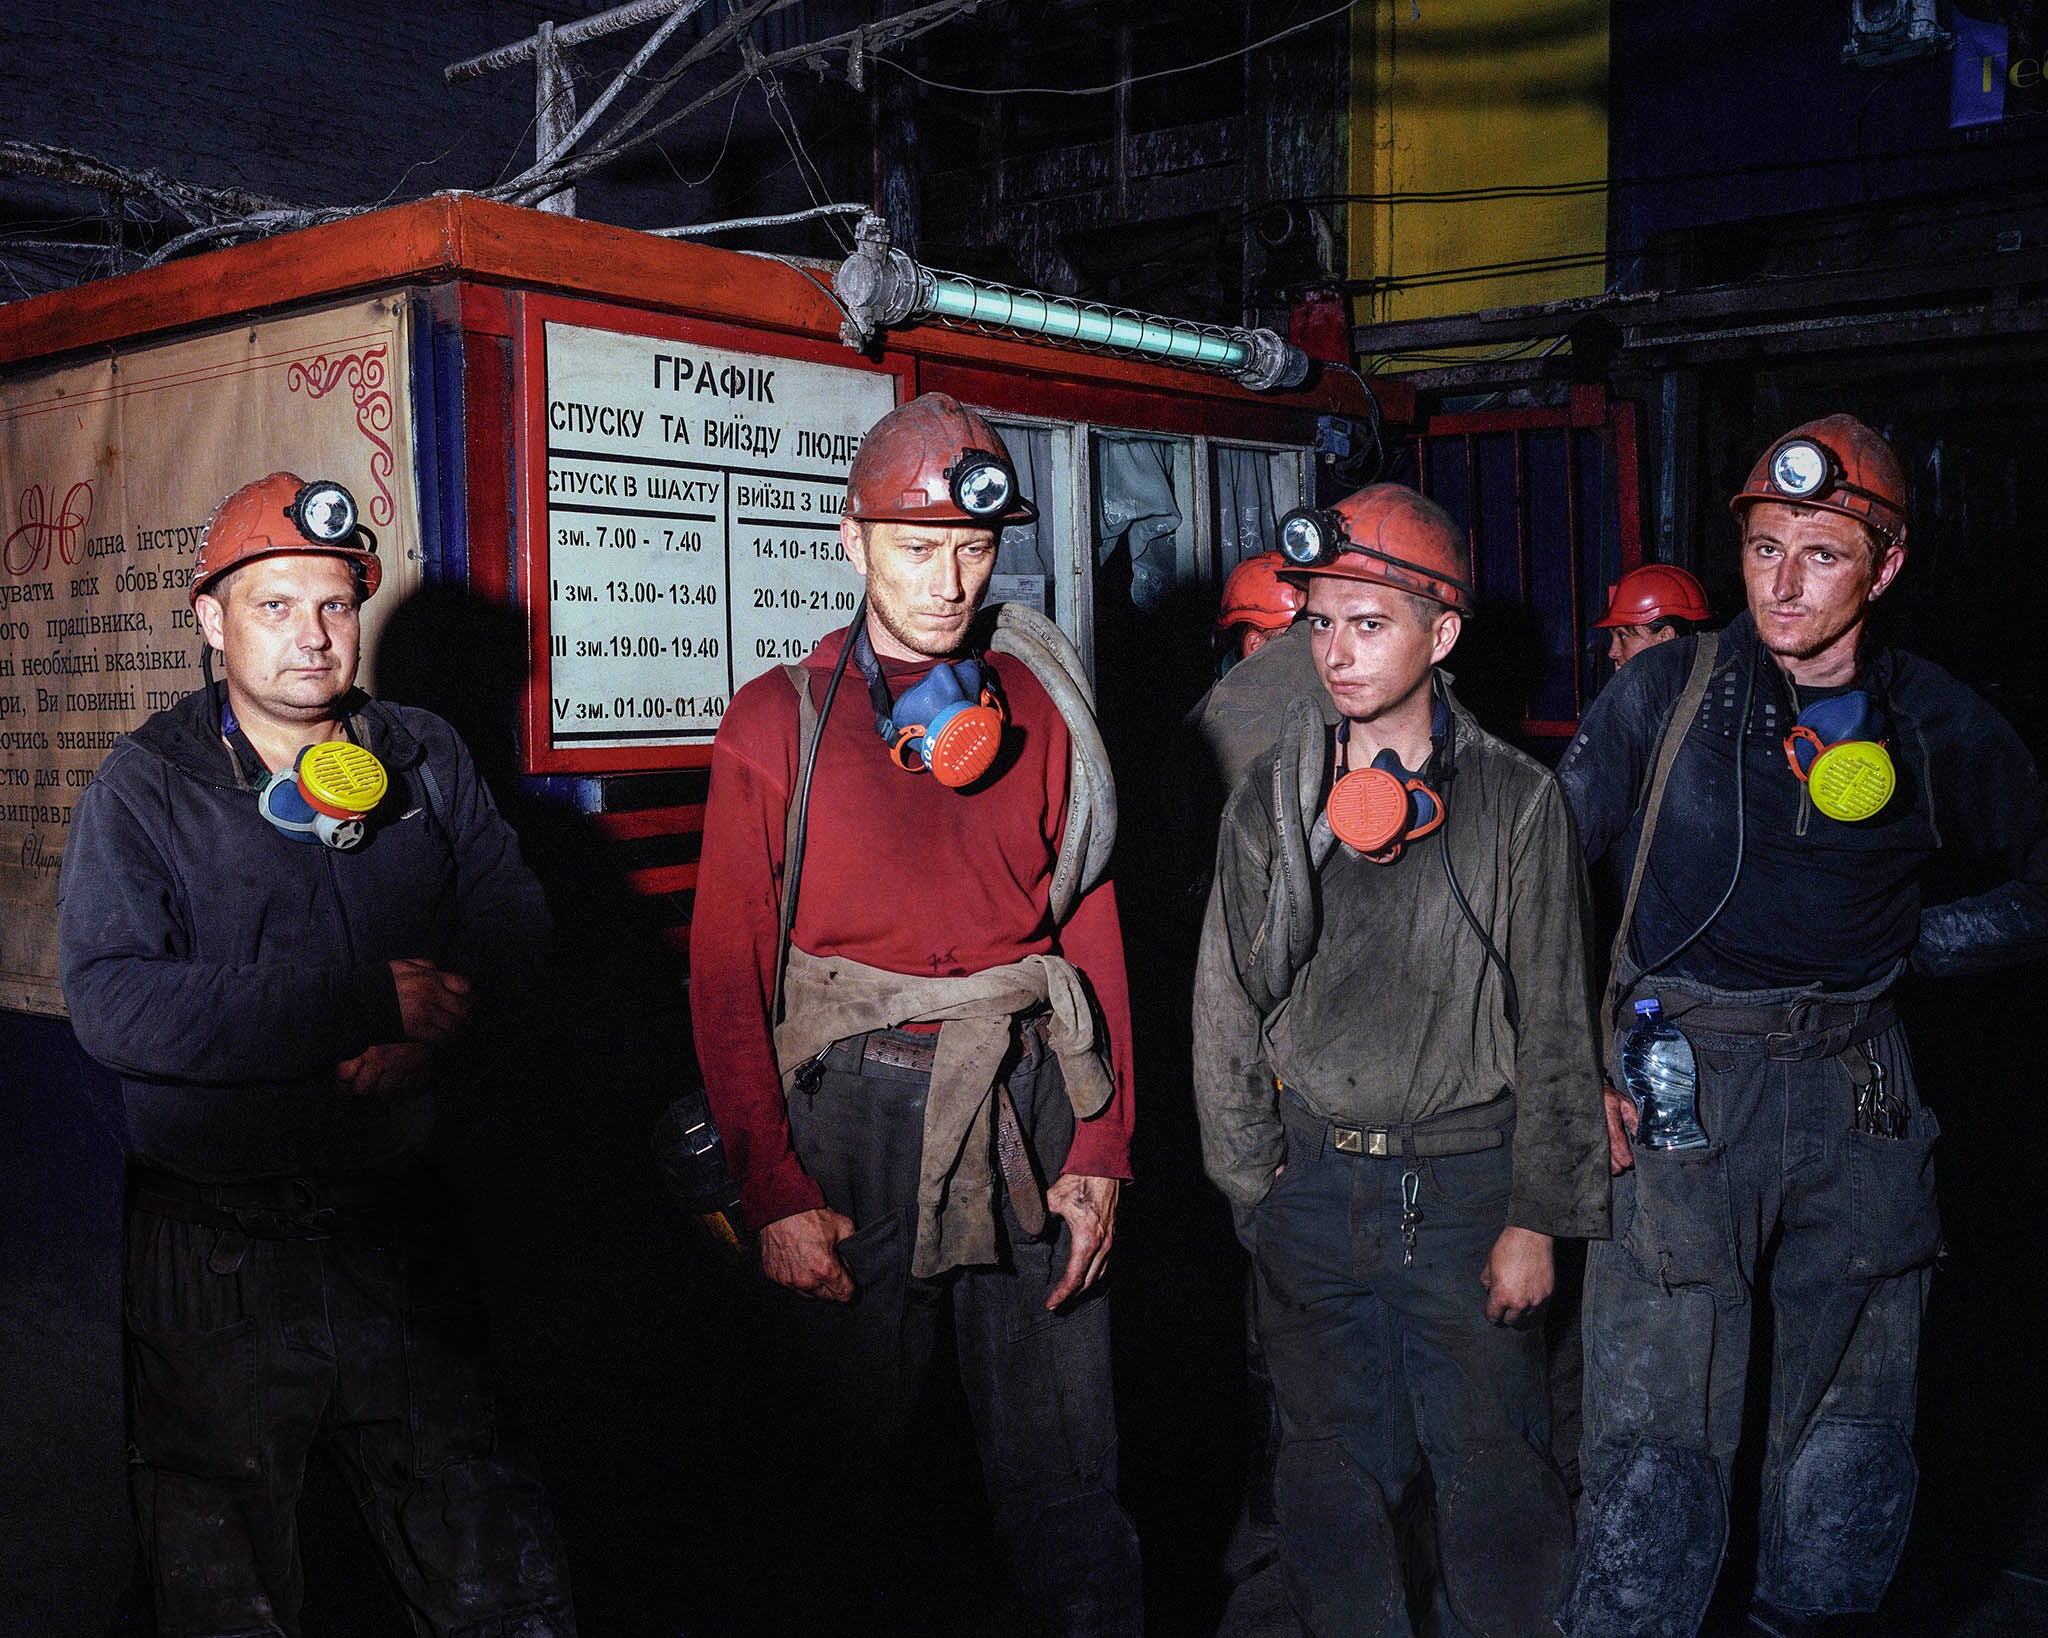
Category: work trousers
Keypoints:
(1839, 1227)
(1037, 1383)
(245, 1353)
(1381, 1366)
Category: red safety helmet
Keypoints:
(281, 514)
(1388, 533)
(1839, 465)
(933, 460)
(1656, 591)
(1256, 596)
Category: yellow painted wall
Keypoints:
(1449, 96)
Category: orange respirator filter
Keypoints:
(1378, 811)
(950, 723)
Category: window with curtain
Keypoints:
(1252, 490)
(1143, 522)
(1027, 559)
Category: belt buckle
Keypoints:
(1358, 1140)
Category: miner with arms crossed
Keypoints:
(1778, 792)
(287, 913)
(908, 992)
(1395, 1075)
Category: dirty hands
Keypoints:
(1621, 1127)
(1519, 1276)
(432, 1006)
(1089, 1206)
(801, 1251)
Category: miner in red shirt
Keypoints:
(907, 983)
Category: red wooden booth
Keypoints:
(638, 444)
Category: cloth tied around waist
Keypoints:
(831, 998)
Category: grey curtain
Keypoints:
(1135, 503)
(1026, 549)
(1248, 510)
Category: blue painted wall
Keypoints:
(1734, 111)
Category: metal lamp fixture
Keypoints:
(983, 485)
(1801, 468)
(882, 287)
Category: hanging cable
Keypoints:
(784, 119)
(1741, 826)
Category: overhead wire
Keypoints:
(783, 117)
(217, 214)
(731, 119)
(886, 31)
(1135, 79)
(619, 135)
(221, 214)
(654, 42)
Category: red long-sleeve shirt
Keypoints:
(901, 873)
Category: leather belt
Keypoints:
(1814, 1016)
(1454, 1132)
(285, 1208)
(900, 1050)
(1811, 1027)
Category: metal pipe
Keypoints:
(683, 12)
(584, 28)
(694, 229)
(554, 107)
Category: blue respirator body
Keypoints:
(949, 722)
(285, 806)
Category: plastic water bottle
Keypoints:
(1658, 1071)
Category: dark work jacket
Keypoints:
(1398, 1015)
(1821, 904)
(224, 969)
(1239, 716)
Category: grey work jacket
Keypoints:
(1397, 1015)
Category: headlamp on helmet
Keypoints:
(279, 516)
(324, 512)
(1309, 536)
(982, 485)
(1801, 469)
(1836, 464)
(933, 460)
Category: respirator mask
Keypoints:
(1837, 750)
(1378, 811)
(949, 723)
(327, 796)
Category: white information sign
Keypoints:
(693, 498)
